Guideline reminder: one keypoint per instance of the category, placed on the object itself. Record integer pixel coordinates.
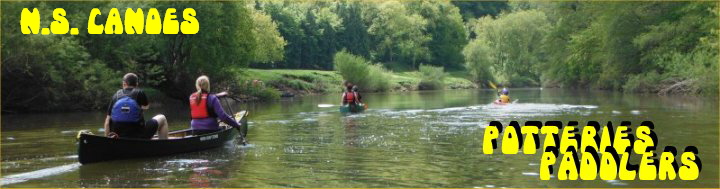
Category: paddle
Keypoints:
(223, 95)
(498, 91)
(494, 87)
(326, 105)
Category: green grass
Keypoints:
(314, 81)
(318, 81)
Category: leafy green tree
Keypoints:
(229, 44)
(270, 45)
(399, 35)
(515, 42)
(329, 24)
(290, 30)
(49, 72)
(447, 30)
(310, 48)
(479, 61)
(476, 9)
(354, 36)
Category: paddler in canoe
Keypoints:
(351, 99)
(125, 113)
(206, 109)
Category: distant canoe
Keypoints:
(287, 95)
(353, 108)
(94, 148)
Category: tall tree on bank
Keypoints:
(514, 41)
(290, 29)
(270, 44)
(476, 9)
(399, 36)
(354, 37)
(209, 52)
(447, 30)
(310, 49)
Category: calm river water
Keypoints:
(413, 139)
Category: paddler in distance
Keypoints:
(504, 97)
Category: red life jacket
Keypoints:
(199, 110)
(349, 97)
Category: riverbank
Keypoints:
(309, 82)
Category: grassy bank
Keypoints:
(304, 82)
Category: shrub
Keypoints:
(257, 89)
(647, 82)
(54, 73)
(378, 78)
(357, 70)
(431, 77)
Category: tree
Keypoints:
(399, 35)
(49, 72)
(447, 30)
(354, 36)
(270, 45)
(479, 61)
(209, 52)
(289, 28)
(310, 47)
(515, 42)
(476, 9)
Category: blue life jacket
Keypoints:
(126, 110)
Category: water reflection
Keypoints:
(201, 169)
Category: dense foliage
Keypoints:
(65, 72)
(663, 47)
(659, 47)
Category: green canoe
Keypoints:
(353, 108)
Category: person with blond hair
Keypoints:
(125, 113)
(205, 109)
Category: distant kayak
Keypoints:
(497, 102)
(500, 103)
(355, 108)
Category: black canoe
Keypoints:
(94, 148)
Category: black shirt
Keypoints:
(136, 94)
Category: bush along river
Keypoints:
(412, 139)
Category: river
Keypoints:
(411, 139)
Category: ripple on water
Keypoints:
(187, 161)
(616, 182)
(277, 121)
(310, 120)
(479, 115)
(22, 177)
